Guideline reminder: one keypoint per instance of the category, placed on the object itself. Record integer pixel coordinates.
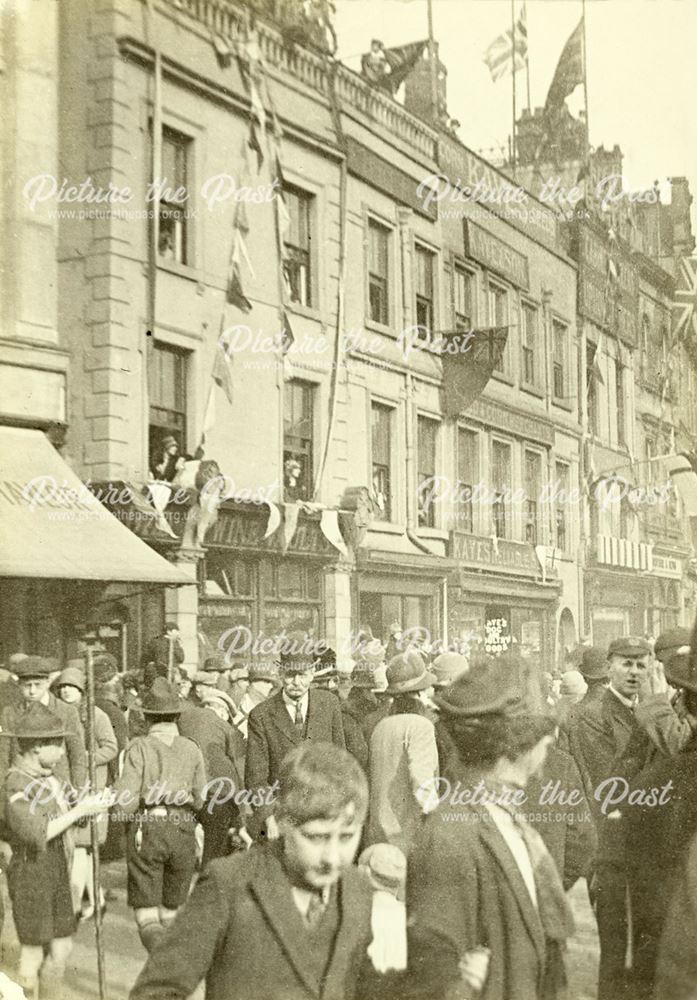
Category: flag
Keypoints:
(287, 333)
(499, 57)
(466, 372)
(569, 71)
(222, 375)
(389, 68)
(235, 293)
(223, 52)
(684, 306)
(596, 371)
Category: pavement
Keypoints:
(125, 955)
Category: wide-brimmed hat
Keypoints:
(490, 687)
(33, 666)
(161, 699)
(213, 696)
(594, 664)
(447, 667)
(72, 676)
(670, 642)
(37, 723)
(629, 645)
(406, 673)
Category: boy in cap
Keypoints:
(161, 785)
(285, 919)
(37, 821)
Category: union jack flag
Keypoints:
(685, 302)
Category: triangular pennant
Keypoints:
(290, 523)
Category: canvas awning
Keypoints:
(52, 527)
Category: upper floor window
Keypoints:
(425, 260)
(427, 436)
(172, 226)
(378, 272)
(463, 297)
(298, 427)
(298, 245)
(168, 410)
(533, 485)
(381, 441)
(498, 317)
(501, 484)
(559, 364)
(561, 510)
(529, 344)
(467, 476)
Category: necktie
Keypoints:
(299, 721)
(315, 909)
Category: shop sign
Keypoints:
(496, 255)
(234, 530)
(498, 555)
(497, 630)
(520, 424)
(667, 566)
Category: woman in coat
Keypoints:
(70, 687)
(403, 755)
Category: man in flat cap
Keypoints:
(34, 679)
(487, 910)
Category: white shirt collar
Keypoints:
(629, 702)
(291, 705)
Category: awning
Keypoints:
(52, 527)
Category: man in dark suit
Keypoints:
(287, 919)
(292, 716)
(487, 911)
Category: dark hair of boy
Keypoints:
(321, 785)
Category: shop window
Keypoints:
(425, 261)
(463, 285)
(172, 228)
(290, 597)
(467, 476)
(559, 365)
(427, 434)
(501, 475)
(619, 404)
(298, 441)
(290, 580)
(381, 441)
(298, 245)
(498, 317)
(529, 344)
(533, 479)
(168, 410)
(378, 273)
(561, 507)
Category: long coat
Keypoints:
(676, 972)
(464, 890)
(271, 735)
(403, 757)
(241, 930)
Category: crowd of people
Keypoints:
(405, 825)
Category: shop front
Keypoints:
(393, 587)
(616, 604)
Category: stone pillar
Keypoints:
(181, 605)
(337, 612)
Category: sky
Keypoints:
(641, 68)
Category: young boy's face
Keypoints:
(34, 688)
(317, 852)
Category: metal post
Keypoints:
(94, 831)
(513, 55)
(170, 658)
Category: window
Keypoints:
(378, 273)
(591, 388)
(467, 476)
(619, 404)
(533, 478)
(172, 238)
(167, 418)
(424, 290)
(529, 342)
(498, 317)
(559, 334)
(427, 431)
(645, 343)
(501, 476)
(561, 506)
(463, 283)
(297, 245)
(297, 441)
(381, 435)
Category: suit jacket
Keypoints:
(72, 768)
(676, 972)
(271, 735)
(464, 890)
(241, 930)
(222, 746)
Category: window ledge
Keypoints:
(532, 390)
(386, 328)
(181, 270)
(309, 312)
(432, 533)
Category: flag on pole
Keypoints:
(389, 68)
(684, 306)
(569, 71)
(235, 293)
(500, 56)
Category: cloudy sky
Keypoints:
(642, 70)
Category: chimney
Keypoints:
(417, 90)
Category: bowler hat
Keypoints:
(73, 677)
(32, 666)
(406, 673)
(447, 667)
(490, 687)
(669, 642)
(629, 645)
(161, 699)
(297, 663)
(37, 723)
(593, 663)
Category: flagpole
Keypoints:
(585, 96)
(527, 58)
(432, 61)
(513, 54)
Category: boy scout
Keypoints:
(161, 786)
